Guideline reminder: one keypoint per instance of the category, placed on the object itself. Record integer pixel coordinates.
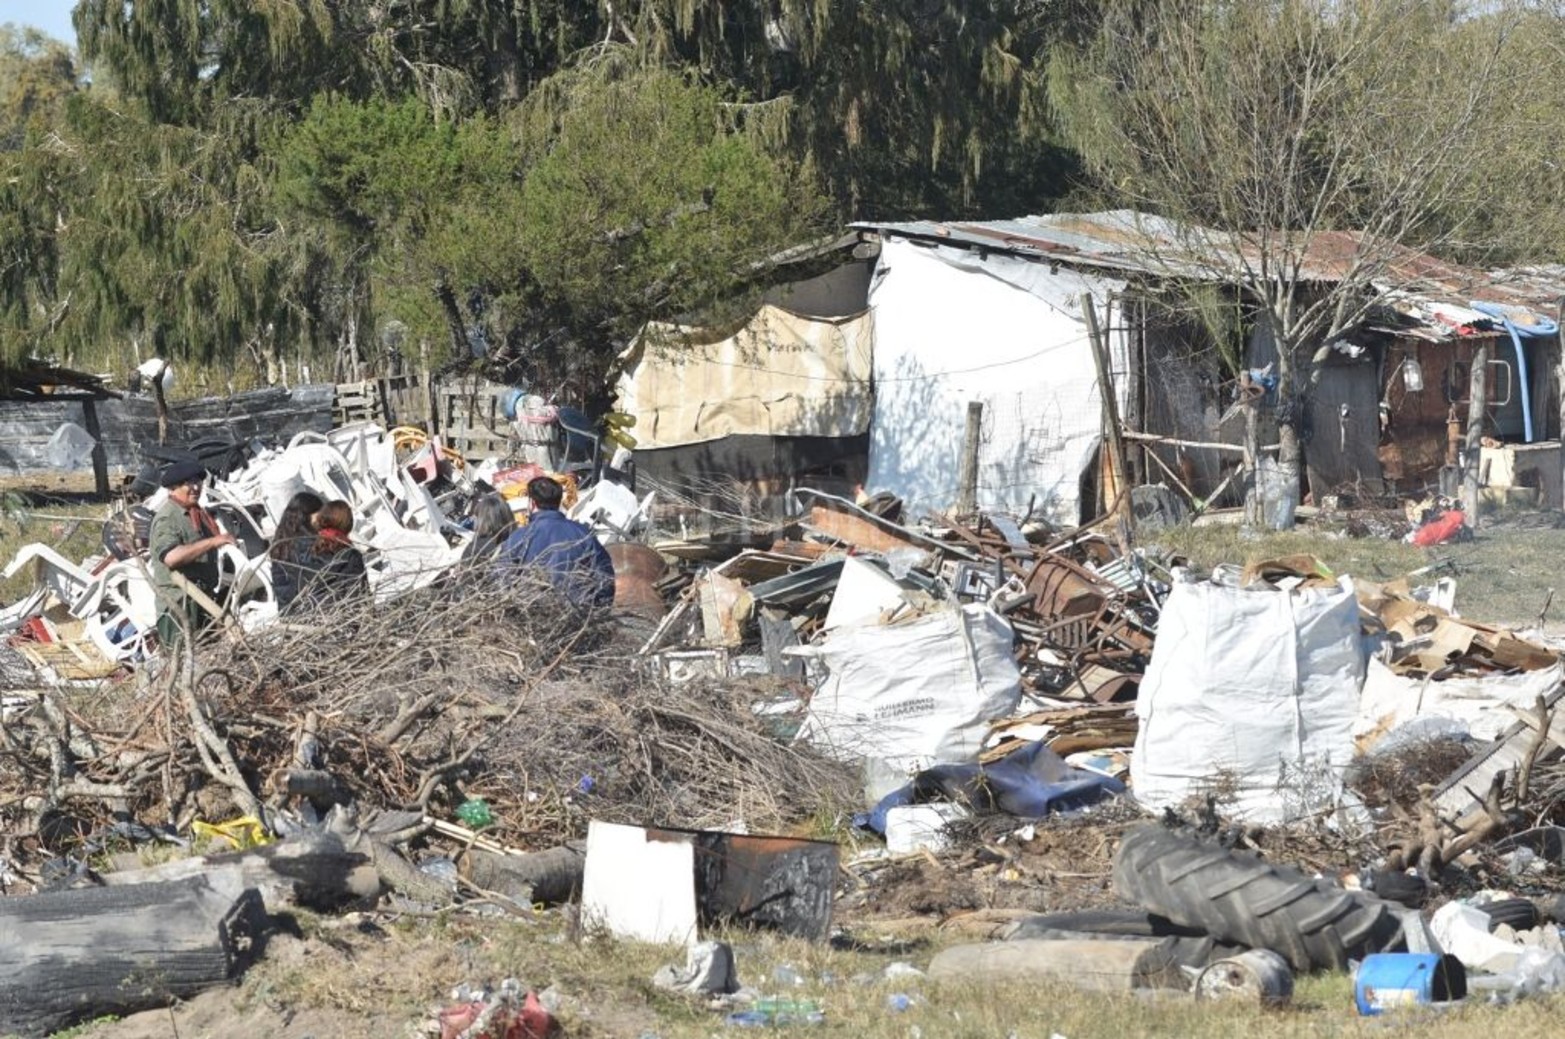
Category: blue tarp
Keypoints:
(1014, 785)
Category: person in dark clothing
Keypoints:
(183, 544)
(334, 570)
(493, 523)
(291, 544)
(576, 565)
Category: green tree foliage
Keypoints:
(151, 236)
(644, 193)
(37, 75)
(547, 237)
(909, 107)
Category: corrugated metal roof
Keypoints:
(1433, 296)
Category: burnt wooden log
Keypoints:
(315, 871)
(541, 877)
(70, 956)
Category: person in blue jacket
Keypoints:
(576, 565)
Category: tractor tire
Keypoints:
(1312, 924)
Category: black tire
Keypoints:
(1106, 923)
(1520, 914)
(1312, 924)
(1396, 886)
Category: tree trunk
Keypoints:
(355, 361)
(160, 402)
(1252, 456)
(1290, 463)
(317, 872)
(460, 350)
(70, 956)
(1477, 408)
(548, 877)
(505, 65)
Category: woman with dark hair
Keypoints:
(290, 549)
(338, 567)
(493, 522)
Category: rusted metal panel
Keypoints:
(784, 884)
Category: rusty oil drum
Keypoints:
(637, 569)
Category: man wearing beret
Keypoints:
(184, 540)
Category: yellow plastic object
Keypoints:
(619, 420)
(619, 438)
(244, 832)
(411, 438)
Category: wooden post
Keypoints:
(1478, 399)
(1126, 518)
(161, 403)
(100, 456)
(426, 382)
(1559, 388)
(967, 475)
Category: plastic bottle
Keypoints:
(475, 813)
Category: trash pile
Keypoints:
(955, 694)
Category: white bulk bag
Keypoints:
(916, 693)
(1251, 691)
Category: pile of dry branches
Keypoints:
(471, 689)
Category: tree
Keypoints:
(1258, 127)
(130, 231)
(645, 198)
(908, 107)
(611, 196)
(37, 74)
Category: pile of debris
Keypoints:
(953, 688)
(411, 500)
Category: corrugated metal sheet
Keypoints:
(1424, 296)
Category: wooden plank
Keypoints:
(100, 457)
(1459, 800)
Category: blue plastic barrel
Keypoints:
(1388, 980)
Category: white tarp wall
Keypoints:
(951, 327)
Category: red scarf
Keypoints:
(334, 537)
(202, 522)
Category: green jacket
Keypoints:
(171, 528)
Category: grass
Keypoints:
(73, 529)
(1504, 576)
(408, 969)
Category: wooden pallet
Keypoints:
(78, 661)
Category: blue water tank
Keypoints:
(510, 402)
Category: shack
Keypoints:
(1386, 407)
